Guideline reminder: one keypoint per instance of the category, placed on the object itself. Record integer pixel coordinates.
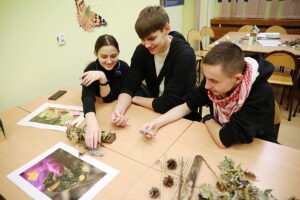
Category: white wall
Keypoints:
(31, 62)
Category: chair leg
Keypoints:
(297, 108)
(291, 99)
(282, 95)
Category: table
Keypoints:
(134, 145)
(132, 154)
(137, 157)
(16, 151)
(72, 97)
(276, 166)
(259, 48)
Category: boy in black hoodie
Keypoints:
(164, 60)
(238, 93)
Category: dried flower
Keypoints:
(168, 181)
(154, 193)
(233, 185)
(172, 164)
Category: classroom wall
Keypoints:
(32, 63)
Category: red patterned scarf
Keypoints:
(225, 106)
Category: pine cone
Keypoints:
(172, 164)
(168, 181)
(154, 192)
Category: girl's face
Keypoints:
(107, 56)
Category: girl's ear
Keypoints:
(95, 53)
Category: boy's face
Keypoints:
(217, 81)
(157, 42)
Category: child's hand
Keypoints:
(118, 119)
(149, 129)
(90, 76)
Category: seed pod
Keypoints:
(154, 193)
(172, 164)
(168, 181)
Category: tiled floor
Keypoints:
(289, 132)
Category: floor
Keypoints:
(289, 131)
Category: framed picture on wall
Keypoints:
(169, 3)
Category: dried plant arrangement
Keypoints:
(293, 43)
(233, 185)
(76, 135)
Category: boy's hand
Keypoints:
(118, 119)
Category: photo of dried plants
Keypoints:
(56, 116)
(61, 174)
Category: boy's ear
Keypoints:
(95, 53)
(167, 28)
(239, 78)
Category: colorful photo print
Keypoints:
(60, 174)
(54, 116)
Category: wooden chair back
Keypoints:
(287, 77)
(276, 28)
(245, 28)
(193, 35)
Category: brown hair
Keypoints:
(229, 56)
(106, 40)
(151, 19)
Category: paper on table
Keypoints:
(269, 43)
(267, 35)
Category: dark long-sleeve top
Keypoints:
(255, 118)
(115, 82)
(179, 69)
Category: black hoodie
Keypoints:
(115, 82)
(179, 71)
(255, 118)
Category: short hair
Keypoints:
(151, 19)
(106, 40)
(228, 55)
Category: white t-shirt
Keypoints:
(159, 60)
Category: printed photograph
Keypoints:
(60, 174)
(54, 116)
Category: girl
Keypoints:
(102, 78)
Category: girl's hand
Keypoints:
(90, 76)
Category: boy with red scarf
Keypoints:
(240, 98)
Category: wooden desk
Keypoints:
(259, 48)
(72, 97)
(276, 166)
(22, 144)
(134, 145)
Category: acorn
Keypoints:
(168, 181)
(154, 193)
(172, 164)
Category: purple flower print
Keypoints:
(40, 171)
